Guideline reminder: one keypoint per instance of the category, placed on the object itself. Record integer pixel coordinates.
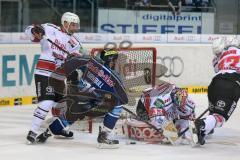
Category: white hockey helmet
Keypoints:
(70, 18)
(218, 45)
(231, 41)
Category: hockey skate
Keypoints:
(42, 138)
(104, 142)
(33, 137)
(197, 132)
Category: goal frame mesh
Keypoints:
(88, 124)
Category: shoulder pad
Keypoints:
(52, 25)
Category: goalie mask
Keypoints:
(109, 58)
(179, 97)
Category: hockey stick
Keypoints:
(65, 51)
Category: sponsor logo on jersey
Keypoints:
(159, 103)
(95, 80)
(220, 105)
(232, 108)
(101, 74)
(49, 90)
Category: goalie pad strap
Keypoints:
(57, 126)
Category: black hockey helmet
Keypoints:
(109, 56)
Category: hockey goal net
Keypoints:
(137, 68)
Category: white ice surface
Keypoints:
(15, 122)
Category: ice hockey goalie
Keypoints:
(168, 108)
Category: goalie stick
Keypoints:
(138, 118)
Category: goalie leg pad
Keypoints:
(171, 132)
(58, 127)
(140, 131)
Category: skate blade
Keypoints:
(33, 143)
(193, 133)
(29, 142)
(62, 137)
(107, 146)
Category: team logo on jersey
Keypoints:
(159, 103)
(72, 43)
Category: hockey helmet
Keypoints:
(109, 56)
(218, 46)
(70, 18)
(231, 41)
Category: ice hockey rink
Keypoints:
(15, 122)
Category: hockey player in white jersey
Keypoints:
(49, 76)
(167, 106)
(224, 89)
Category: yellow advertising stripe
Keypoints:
(27, 100)
(17, 101)
(12, 101)
(197, 89)
(6, 102)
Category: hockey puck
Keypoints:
(131, 142)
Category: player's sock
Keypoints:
(39, 116)
(111, 118)
(210, 123)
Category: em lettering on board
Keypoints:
(163, 29)
(10, 75)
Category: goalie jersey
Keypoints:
(51, 56)
(160, 101)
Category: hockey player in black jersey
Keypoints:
(224, 89)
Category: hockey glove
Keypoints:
(38, 31)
